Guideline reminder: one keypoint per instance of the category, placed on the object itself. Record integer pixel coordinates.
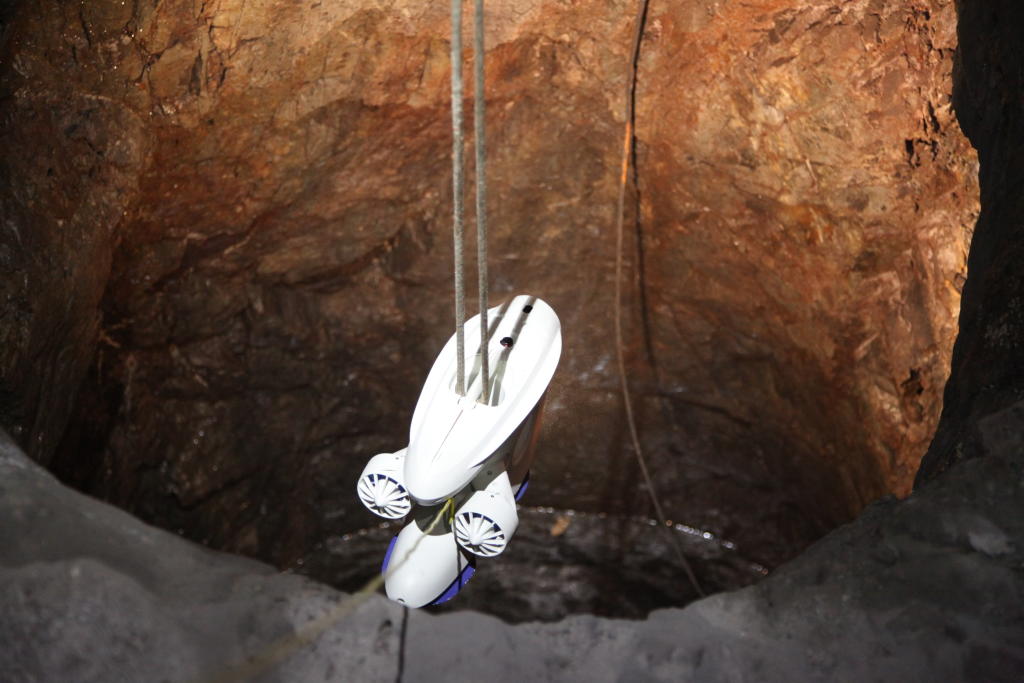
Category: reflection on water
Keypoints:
(561, 562)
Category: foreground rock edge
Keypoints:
(929, 588)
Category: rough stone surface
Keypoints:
(69, 171)
(91, 594)
(988, 359)
(265, 184)
(928, 588)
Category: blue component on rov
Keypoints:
(457, 584)
(387, 555)
(522, 487)
(467, 572)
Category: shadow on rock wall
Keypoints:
(988, 360)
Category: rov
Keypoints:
(468, 458)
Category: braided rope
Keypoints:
(479, 129)
(458, 208)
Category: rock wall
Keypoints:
(923, 589)
(988, 360)
(260, 192)
(69, 172)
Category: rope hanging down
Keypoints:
(458, 208)
(627, 149)
(479, 130)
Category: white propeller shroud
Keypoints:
(381, 487)
(486, 521)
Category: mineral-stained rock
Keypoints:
(73, 150)
(269, 182)
(928, 588)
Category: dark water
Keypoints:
(561, 562)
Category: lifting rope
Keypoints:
(458, 183)
(479, 130)
(457, 208)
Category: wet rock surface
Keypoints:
(260, 193)
(561, 562)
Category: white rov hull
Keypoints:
(472, 450)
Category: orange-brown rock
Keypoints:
(262, 189)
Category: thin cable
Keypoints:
(457, 203)
(479, 130)
(402, 636)
(284, 647)
(627, 146)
